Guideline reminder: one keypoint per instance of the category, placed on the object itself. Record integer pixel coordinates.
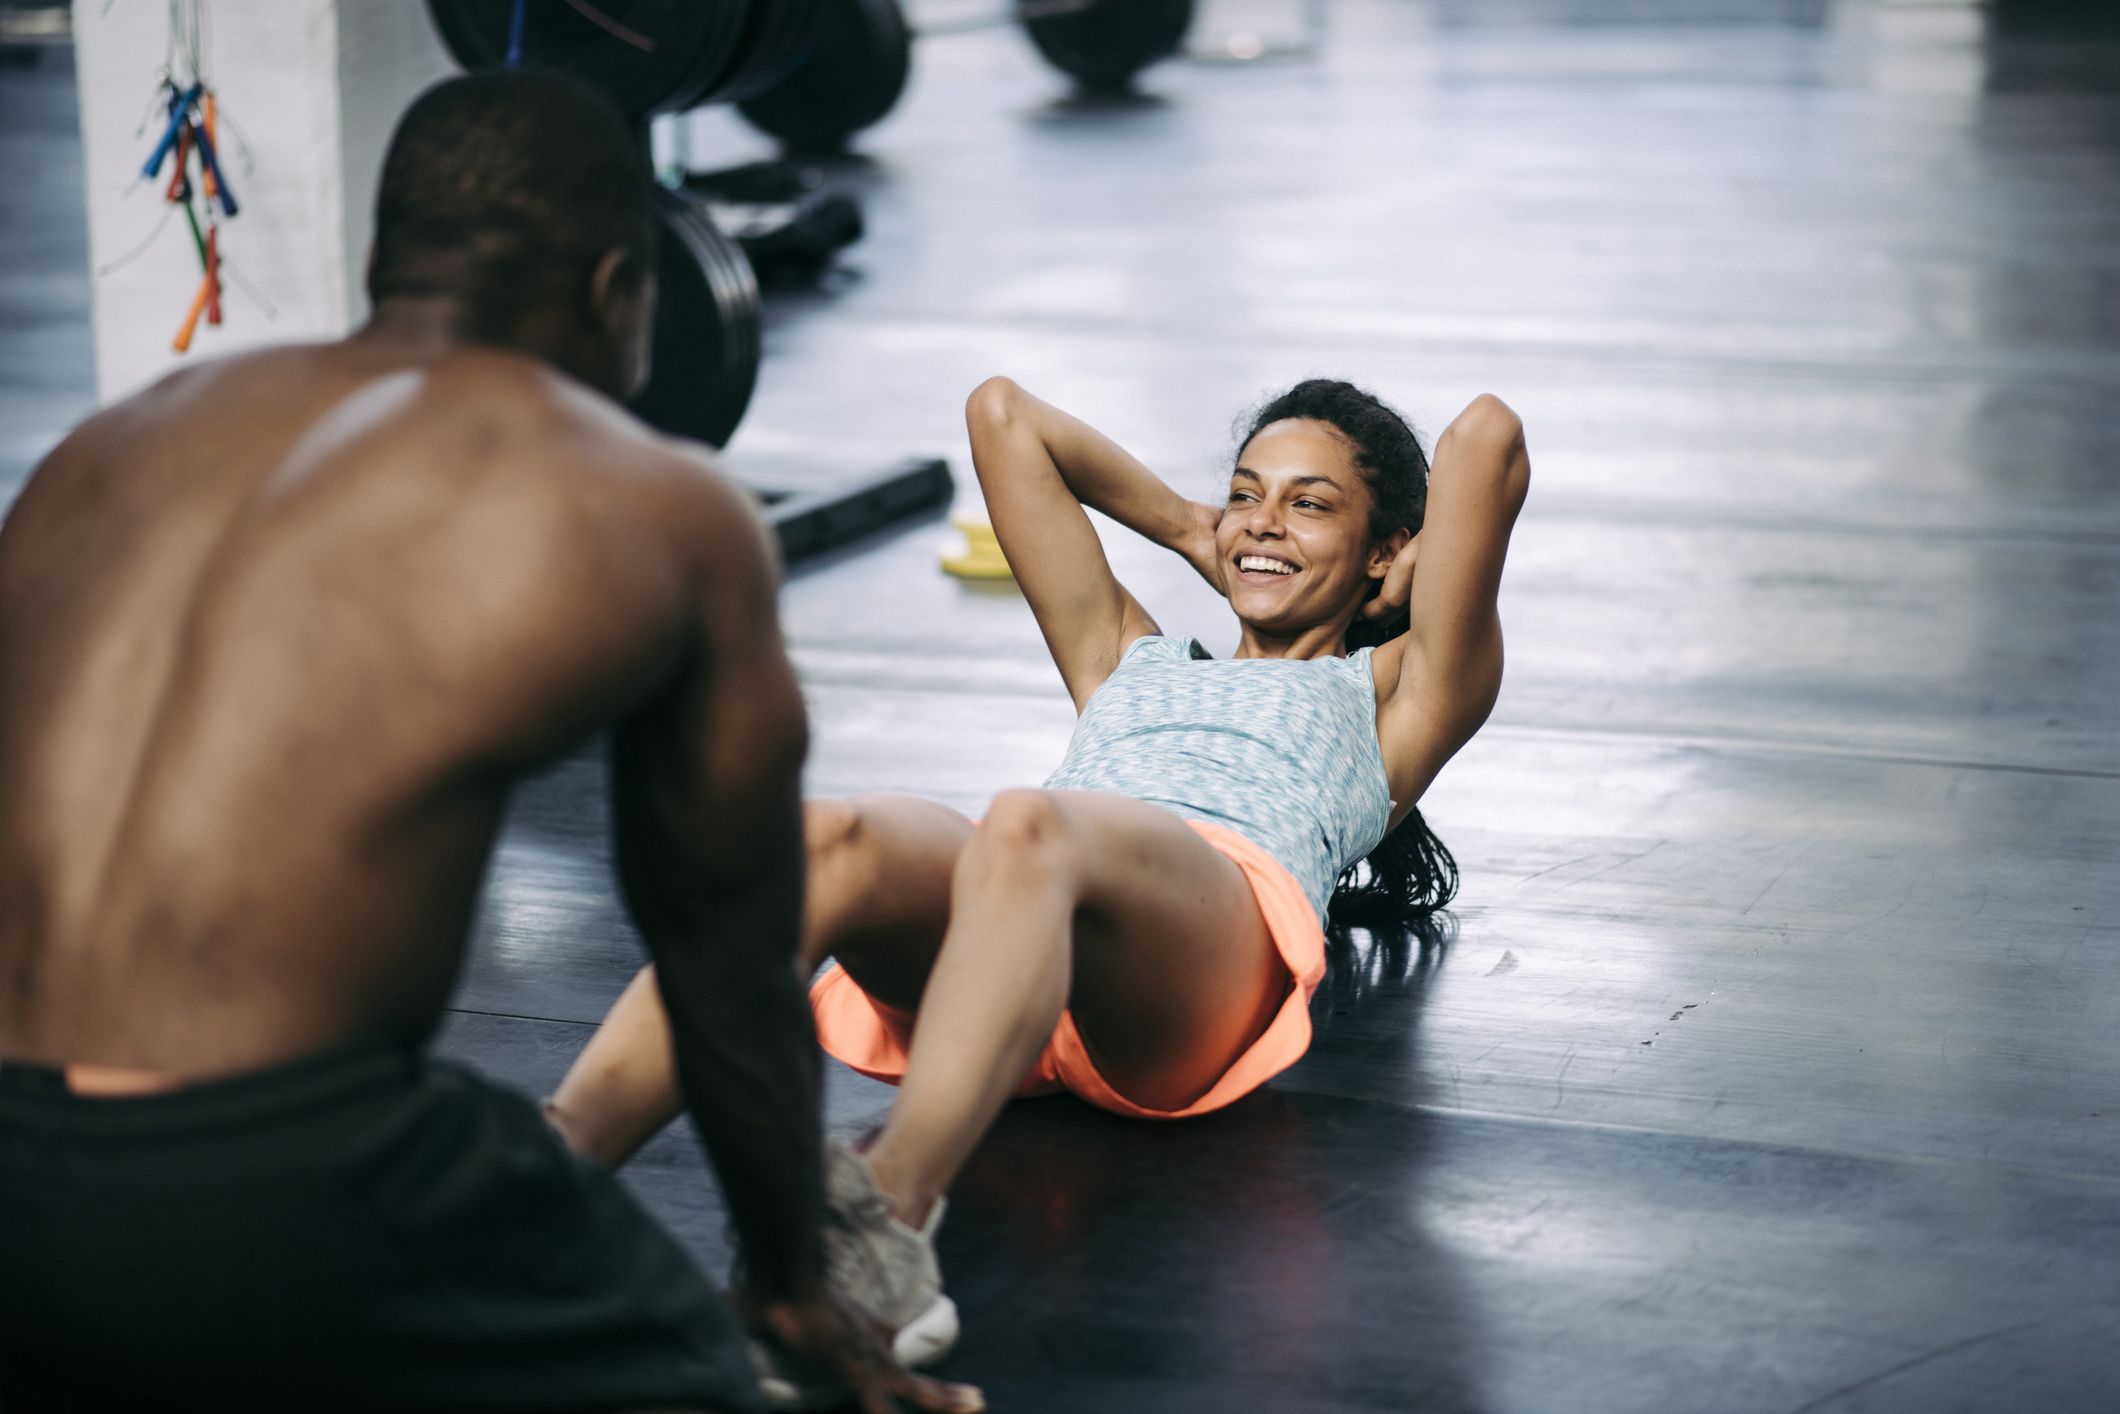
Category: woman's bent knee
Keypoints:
(1025, 835)
(830, 827)
(838, 842)
(1023, 820)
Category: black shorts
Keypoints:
(373, 1230)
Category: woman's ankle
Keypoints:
(911, 1200)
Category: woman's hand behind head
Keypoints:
(1198, 548)
(1397, 589)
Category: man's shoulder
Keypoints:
(512, 399)
(542, 421)
(540, 414)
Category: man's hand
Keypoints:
(1398, 584)
(825, 1331)
(1198, 544)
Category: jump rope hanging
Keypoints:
(198, 185)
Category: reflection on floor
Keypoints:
(1769, 1065)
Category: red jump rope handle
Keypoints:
(179, 188)
(213, 275)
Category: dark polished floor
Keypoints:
(1772, 1064)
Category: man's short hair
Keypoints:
(506, 185)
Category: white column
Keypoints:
(309, 93)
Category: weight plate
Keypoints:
(715, 62)
(859, 57)
(687, 42)
(1103, 45)
(706, 337)
(774, 41)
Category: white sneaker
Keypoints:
(883, 1268)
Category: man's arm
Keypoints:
(706, 786)
(708, 818)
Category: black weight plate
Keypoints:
(773, 43)
(1103, 45)
(859, 57)
(735, 288)
(687, 38)
(715, 62)
(706, 336)
(735, 285)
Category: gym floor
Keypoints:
(1770, 1063)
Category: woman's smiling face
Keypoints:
(1294, 540)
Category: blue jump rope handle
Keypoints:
(213, 165)
(179, 105)
(515, 36)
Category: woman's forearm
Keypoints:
(1100, 473)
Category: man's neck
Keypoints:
(421, 324)
(418, 327)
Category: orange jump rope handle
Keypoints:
(182, 343)
(213, 136)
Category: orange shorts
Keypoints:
(873, 1037)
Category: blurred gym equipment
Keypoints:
(707, 331)
(649, 56)
(809, 72)
(655, 57)
(854, 72)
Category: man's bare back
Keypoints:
(280, 635)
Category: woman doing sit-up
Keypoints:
(1145, 929)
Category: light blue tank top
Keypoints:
(1282, 750)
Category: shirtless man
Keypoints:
(277, 636)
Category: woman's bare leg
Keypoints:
(877, 897)
(622, 1089)
(1058, 899)
(1107, 906)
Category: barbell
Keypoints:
(1102, 44)
(810, 72)
(860, 56)
(648, 56)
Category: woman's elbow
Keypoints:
(1490, 429)
(1488, 422)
